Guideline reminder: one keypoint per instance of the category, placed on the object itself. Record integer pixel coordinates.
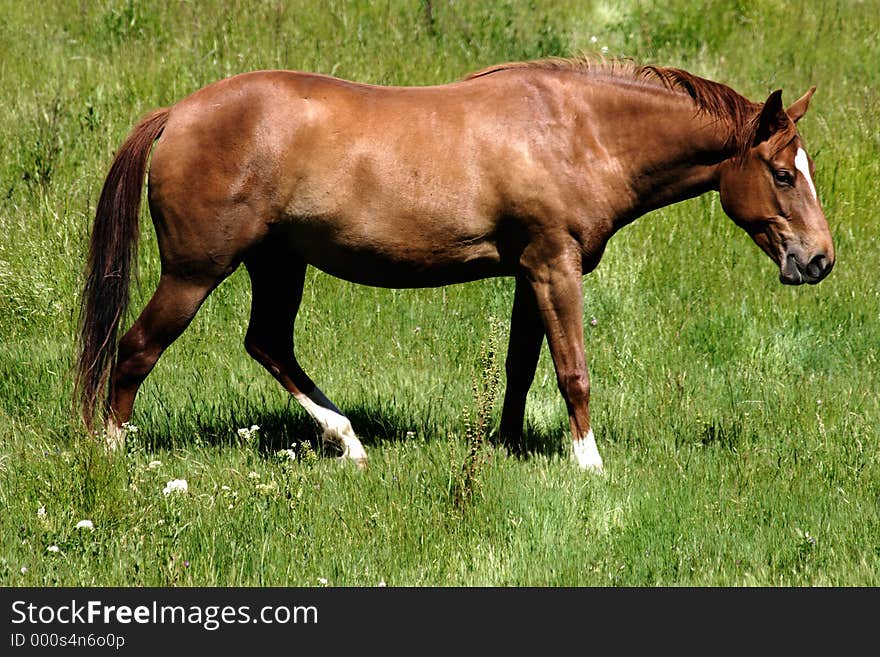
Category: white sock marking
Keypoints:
(802, 164)
(587, 454)
(335, 427)
(114, 434)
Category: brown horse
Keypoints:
(522, 169)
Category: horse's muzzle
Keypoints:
(793, 272)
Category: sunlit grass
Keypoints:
(738, 419)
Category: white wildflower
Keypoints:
(594, 39)
(253, 475)
(286, 454)
(24, 570)
(322, 581)
(41, 512)
(154, 465)
(382, 583)
(248, 434)
(175, 486)
(85, 524)
(53, 548)
(128, 427)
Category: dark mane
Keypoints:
(708, 96)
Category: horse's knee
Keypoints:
(575, 387)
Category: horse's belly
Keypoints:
(393, 258)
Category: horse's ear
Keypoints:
(799, 107)
(772, 119)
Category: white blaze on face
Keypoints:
(802, 164)
(587, 454)
(335, 427)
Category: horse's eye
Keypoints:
(783, 177)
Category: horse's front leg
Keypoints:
(558, 288)
(524, 348)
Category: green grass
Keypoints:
(738, 419)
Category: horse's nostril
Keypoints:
(819, 266)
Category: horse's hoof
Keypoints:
(362, 463)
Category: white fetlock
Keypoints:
(354, 450)
(587, 454)
(336, 427)
(114, 435)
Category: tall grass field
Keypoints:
(739, 419)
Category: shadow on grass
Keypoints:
(281, 427)
(535, 441)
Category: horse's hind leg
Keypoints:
(526, 337)
(168, 313)
(277, 286)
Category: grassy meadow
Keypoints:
(738, 419)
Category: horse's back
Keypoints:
(370, 183)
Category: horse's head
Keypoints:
(768, 190)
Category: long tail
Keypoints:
(112, 249)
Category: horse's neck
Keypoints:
(670, 152)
